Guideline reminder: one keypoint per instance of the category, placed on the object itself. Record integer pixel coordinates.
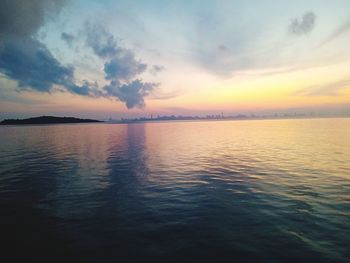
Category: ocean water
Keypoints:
(237, 191)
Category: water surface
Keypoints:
(260, 191)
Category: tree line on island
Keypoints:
(46, 120)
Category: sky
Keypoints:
(104, 58)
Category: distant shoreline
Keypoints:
(46, 120)
(43, 120)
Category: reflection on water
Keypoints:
(273, 190)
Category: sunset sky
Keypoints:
(104, 58)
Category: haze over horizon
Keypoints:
(101, 59)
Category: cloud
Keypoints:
(155, 69)
(131, 93)
(23, 57)
(227, 48)
(329, 89)
(32, 65)
(304, 25)
(121, 68)
(88, 88)
(341, 30)
(100, 40)
(68, 38)
(161, 95)
(20, 18)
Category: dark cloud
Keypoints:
(29, 62)
(330, 89)
(68, 38)
(32, 65)
(22, 18)
(24, 58)
(121, 68)
(88, 88)
(132, 93)
(303, 25)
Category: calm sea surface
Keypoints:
(260, 191)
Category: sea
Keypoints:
(195, 191)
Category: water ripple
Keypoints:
(270, 191)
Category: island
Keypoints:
(46, 120)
